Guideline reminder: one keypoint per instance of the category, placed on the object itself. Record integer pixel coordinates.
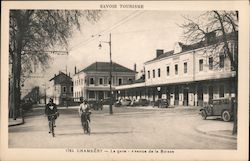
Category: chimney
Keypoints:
(55, 75)
(69, 74)
(75, 69)
(135, 67)
(159, 52)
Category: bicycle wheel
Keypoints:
(88, 127)
(52, 128)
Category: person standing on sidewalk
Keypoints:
(51, 109)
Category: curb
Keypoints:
(217, 135)
(16, 124)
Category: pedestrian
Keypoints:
(101, 104)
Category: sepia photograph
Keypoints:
(120, 78)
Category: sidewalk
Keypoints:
(223, 130)
(16, 122)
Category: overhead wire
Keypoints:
(111, 28)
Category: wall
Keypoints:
(170, 61)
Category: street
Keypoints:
(127, 128)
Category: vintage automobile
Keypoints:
(125, 102)
(140, 102)
(161, 103)
(219, 107)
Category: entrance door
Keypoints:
(100, 95)
(185, 95)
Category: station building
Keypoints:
(189, 75)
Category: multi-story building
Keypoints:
(60, 88)
(188, 75)
(92, 82)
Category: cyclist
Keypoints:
(51, 109)
(84, 109)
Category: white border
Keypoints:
(43, 154)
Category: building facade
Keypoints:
(189, 75)
(92, 83)
(60, 88)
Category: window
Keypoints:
(100, 81)
(185, 67)
(153, 73)
(210, 62)
(91, 94)
(120, 81)
(159, 72)
(130, 80)
(176, 69)
(201, 65)
(221, 61)
(148, 74)
(221, 91)
(72, 88)
(64, 89)
(91, 81)
(168, 71)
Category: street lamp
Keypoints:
(159, 92)
(110, 72)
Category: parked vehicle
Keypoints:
(219, 107)
(118, 103)
(106, 101)
(125, 102)
(96, 105)
(161, 103)
(140, 102)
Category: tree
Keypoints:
(35, 32)
(225, 25)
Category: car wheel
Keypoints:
(226, 116)
(203, 114)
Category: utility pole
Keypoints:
(110, 74)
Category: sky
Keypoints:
(135, 37)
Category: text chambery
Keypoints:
(121, 6)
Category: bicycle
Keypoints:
(85, 122)
(52, 123)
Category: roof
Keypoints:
(60, 74)
(105, 67)
(166, 54)
(192, 47)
